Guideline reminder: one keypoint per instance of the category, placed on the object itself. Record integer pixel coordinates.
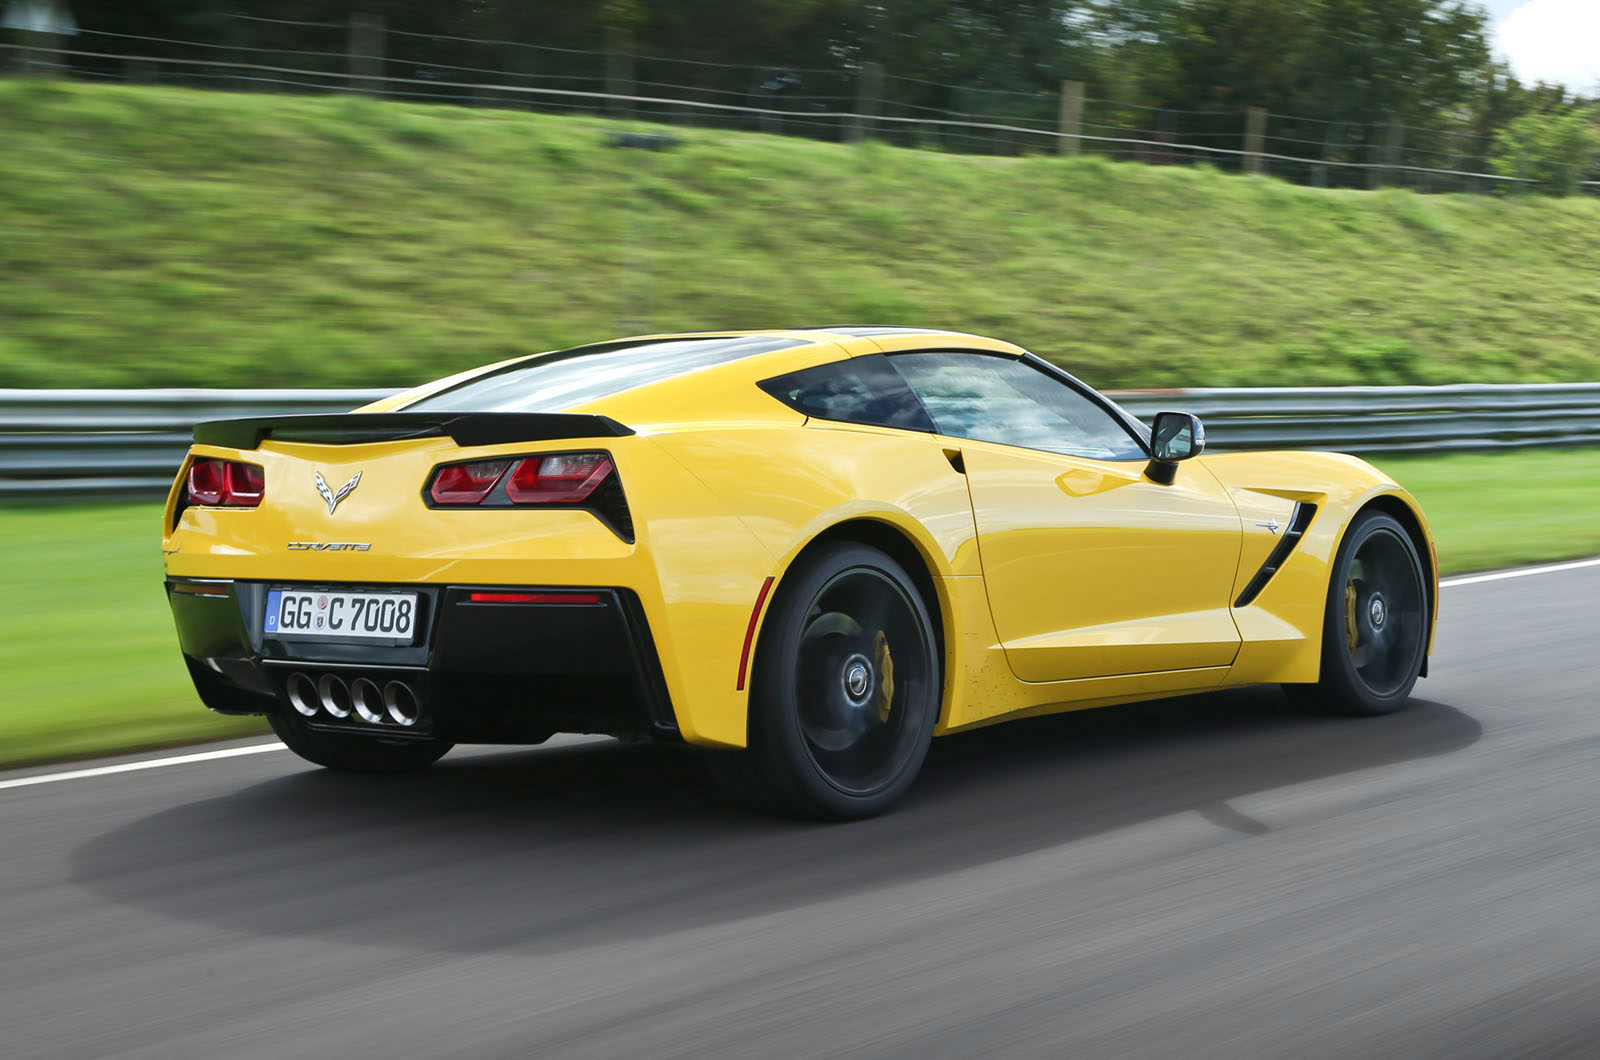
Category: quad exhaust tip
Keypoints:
(403, 705)
(395, 702)
(335, 695)
(303, 695)
(368, 700)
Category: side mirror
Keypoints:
(1176, 436)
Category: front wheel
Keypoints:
(356, 754)
(1375, 629)
(845, 690)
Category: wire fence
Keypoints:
(68, 443)
(846, 103)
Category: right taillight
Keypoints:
(521, 481)
(218, 483)
(586, 480)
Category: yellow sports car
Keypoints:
(808, 552)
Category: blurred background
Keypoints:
(1362, 225)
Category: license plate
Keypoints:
(364, 616)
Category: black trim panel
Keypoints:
(1299, 520)
(354, 428)
(489, 672)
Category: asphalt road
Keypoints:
(1218, 876)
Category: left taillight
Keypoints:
(225, 483)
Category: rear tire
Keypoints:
(356, 754)
(845, 690)
(1375, 626)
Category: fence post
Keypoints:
(619, 71)
(1255, 131)
(366, 52)
(1393, 152)
(1070, 121)
(489, 95)
(141, 71)
(869, 87)
(236, 36)
(766, 100)
(520, 67)
(1320, 173)
(41, 61)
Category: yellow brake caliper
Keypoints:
(1350, 614)
(886, 668)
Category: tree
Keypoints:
(1557, 146)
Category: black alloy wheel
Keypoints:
(1375, 630)
(845, 689)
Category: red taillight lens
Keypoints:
(208, 481)
(247, 483)
(226, 483)
(565, 478)
(466, 483)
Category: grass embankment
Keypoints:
(156, 236)
(90, 663)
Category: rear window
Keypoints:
(559, 381)
(859, 390)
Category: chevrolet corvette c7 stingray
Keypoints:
(807, 552)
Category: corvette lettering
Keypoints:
(329, 546)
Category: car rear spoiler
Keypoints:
(354, 428)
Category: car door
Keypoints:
(1092, 568)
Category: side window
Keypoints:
(1006, 400)
(858, 390)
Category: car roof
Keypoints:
(726, 359)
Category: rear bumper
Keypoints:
(484, 672)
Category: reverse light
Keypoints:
(467, 483)
(201, 588)
(225, 483)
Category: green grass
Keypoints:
(155, 236)
(89, 659)
(1502, 509)
(91, 663)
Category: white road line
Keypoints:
(130, 767)
(1521, 572)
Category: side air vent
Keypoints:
(1299, 519)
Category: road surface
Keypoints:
(1220, 876)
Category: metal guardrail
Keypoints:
(64, 441)
(1355, 419)
(60, 442)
